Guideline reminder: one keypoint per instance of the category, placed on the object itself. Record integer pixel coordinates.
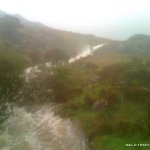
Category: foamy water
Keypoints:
(85, 52)
(40, 129)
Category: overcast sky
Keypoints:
(116, 19)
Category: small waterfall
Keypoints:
(40, 129)
(86, 52)
(30, 71)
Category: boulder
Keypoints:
(100, 104)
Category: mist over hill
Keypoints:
(137, 44)
(40, 42)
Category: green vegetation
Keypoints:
(125, 88)
(111, 104)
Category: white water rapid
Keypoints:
(85, 52)
(40, 129)
(30, 71)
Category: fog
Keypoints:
(116, 19)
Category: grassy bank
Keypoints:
(124, 118)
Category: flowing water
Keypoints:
(40, 129)
(86, 52)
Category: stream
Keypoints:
(39, 128)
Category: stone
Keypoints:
(100, 104)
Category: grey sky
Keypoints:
(117, 19)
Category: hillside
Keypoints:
(39, 42)
(137, 43)
(121, 51)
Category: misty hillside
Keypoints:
(40, 42)
(138, 43)
(121, 51)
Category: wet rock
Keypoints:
(100, 104)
